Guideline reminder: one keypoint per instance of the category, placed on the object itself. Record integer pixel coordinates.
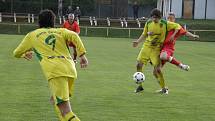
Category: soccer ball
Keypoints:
(139, 77)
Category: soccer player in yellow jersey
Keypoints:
(154, 34)
(50, 46)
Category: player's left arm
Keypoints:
(171, 26)
(24, 48)
(182, 32)
(189, 34)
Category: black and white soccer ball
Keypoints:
(139, 77)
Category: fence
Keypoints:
(11, 28)
(16, 28)
(85, 21)
(112, 32)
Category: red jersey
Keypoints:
(171, 45)
(73, 27)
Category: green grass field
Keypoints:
(104, 91)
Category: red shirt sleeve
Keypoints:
(182, 31)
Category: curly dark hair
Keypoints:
(46, 19)
(156, 12)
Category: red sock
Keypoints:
(163, 62)
(175, 62)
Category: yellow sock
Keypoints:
(141, 84)
(140, 70)
(57, 110)
(161, 80)
(71, 117)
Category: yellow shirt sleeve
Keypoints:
(73, 37)
(23, 47)
(172, 25)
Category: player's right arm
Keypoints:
(23, 48)
(182, 32)
(81, 51)
(142, 36)
(73, 37)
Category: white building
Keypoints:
(197, 9)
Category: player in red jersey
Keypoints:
(71, 24)
(168, 48)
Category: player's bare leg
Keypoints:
(61, 102)
(159, 75)
(139, 69)
(165, 57)
(57, 110)
(66, 112)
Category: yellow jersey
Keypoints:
(50, 46)
(155, 33)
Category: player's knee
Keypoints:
(163, 56)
